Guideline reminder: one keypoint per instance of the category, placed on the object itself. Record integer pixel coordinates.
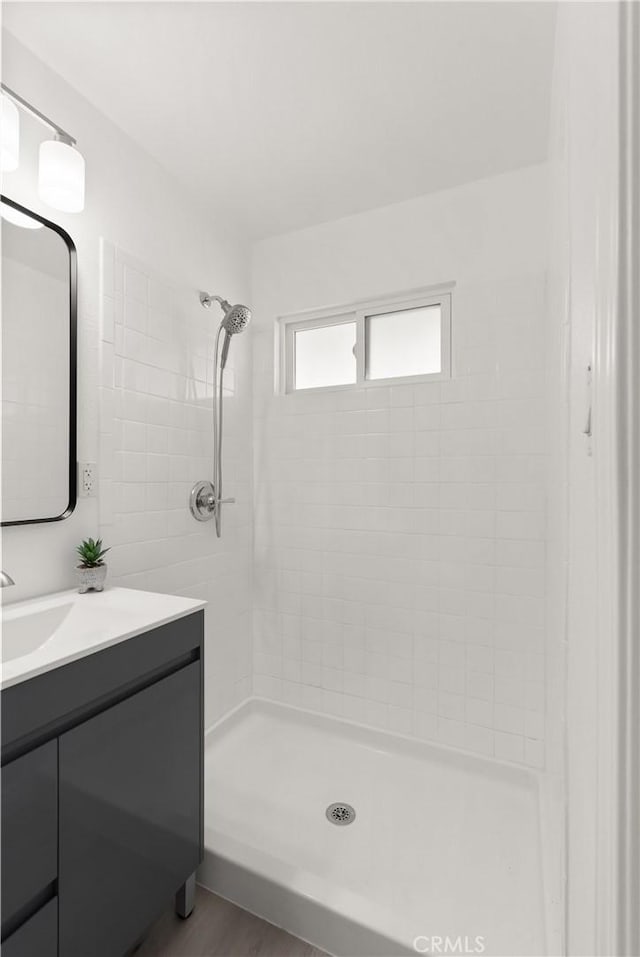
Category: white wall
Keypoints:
(135, 205)
(399, 532)
(581, 609)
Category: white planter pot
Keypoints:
(91, 579)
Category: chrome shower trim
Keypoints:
(204, 503)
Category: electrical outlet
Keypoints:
(88, 484)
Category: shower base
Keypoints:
(444, 849)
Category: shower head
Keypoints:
(236, 319)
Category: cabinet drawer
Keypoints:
(38, 937)
(29, 827)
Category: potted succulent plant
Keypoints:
(92, 571)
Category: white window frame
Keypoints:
(357, 313)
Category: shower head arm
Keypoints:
(206, 299)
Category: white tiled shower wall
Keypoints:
(400, 532)
(155, 442)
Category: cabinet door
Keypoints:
(130, 815)
(29, 827)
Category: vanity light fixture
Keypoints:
(61, 175)
(61, 169)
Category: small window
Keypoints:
(399, 340)
(325, 356)
(403, 343)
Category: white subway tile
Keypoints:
(480, 685)
(401, 720)
(520, 525)
(425, 725)
(479, 712)
(135, 315)
(509, 747)
(508, 718)
(534, 753)
(480, 740)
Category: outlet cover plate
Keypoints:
(87, 479)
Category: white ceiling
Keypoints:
(282, 115)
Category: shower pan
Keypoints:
(206, 500)
(438, 844)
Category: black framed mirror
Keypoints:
(39, 368)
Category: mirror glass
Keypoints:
(38, 368)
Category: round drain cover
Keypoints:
(341, 813)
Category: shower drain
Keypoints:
(341, 813)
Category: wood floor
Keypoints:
(217, 928)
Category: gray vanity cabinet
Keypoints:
(102, 795)
(129, 814)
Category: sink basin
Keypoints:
(24, 633)
(44, 633)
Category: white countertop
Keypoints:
(60, 628)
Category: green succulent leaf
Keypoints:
(91, 553)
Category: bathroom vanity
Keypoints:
(102, 769)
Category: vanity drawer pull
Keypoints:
(38, 937)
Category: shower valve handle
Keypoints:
(204, 503)
(212, 502)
